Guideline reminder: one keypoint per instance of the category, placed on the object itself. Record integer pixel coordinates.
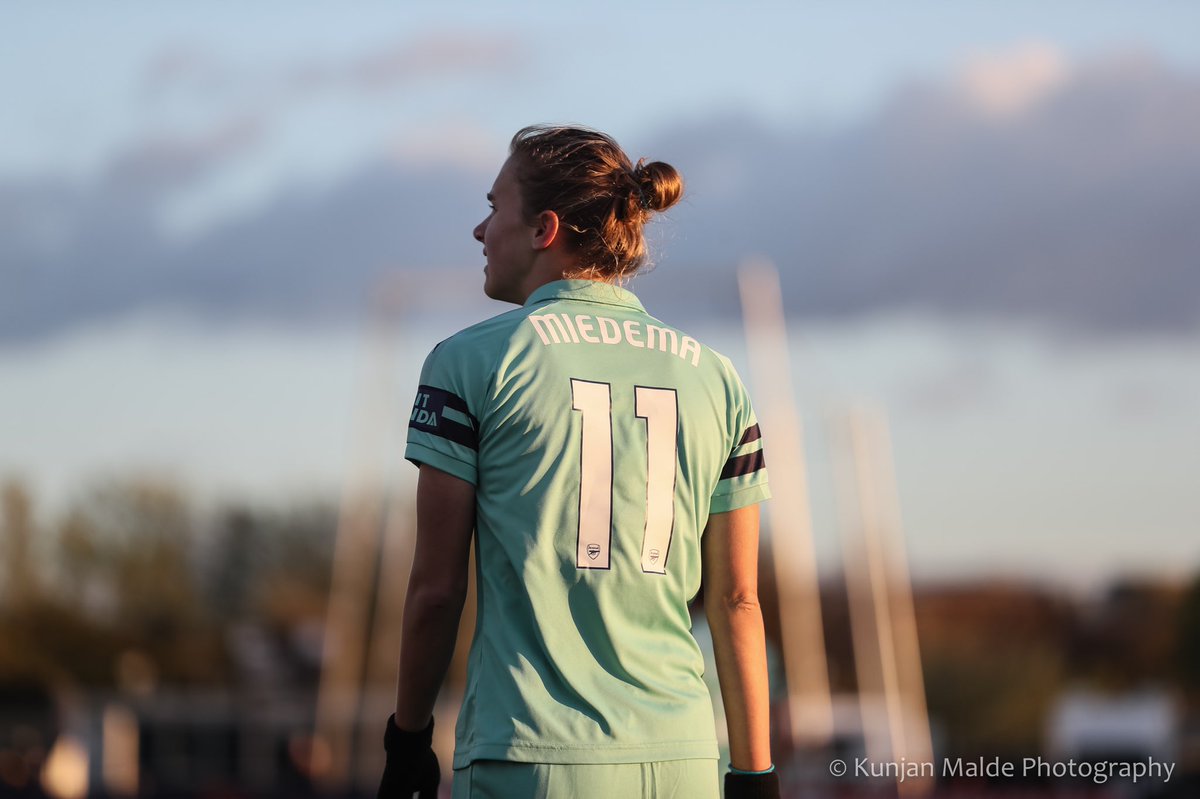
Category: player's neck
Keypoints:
(550, 266)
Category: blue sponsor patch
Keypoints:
(429, 416)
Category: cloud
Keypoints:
(1073, 207)
(184, 67)
(190, 81)
(1008, 83)
(195, 70)
(404, 63)
(167, 161)
(308, 256)
(453, 142)
(444, 54)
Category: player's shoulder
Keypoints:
(723, 361)
(718, 362)
(735, 389)
(482, 338)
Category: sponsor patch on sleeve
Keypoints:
(445, 415)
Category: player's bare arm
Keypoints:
(437, 590)
(734, 615)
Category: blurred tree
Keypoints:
(134, 540)
(53, 642)
(16, 514)
(150, 537)
(1187, 646)
(1128, 638)
(236, 563)
(994, 660)
(993, 701)
(76, 558)
(298, 546)
(253, 553)
(42, 637)
(139, 578)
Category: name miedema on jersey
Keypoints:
(567, 329)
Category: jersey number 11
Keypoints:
(660, 408)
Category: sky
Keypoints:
(981, 214)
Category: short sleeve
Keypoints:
(443, 431)
(743, 479)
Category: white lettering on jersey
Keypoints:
(584, 324)
(561, 328)
(608, 336)
(660, 408)
(690, 345)
(594, 402)
(571, 327)
(663, 333)
(542, 326)
(633, 333)
(566, 329)
(422, 416)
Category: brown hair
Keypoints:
(602, 199)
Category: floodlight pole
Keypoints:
(810, 712)
(883, 622)
(348, 656)
(354, 558)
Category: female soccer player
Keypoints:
(605, 462)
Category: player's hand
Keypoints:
(752, 786)
(412, 767)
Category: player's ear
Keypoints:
(545, 230)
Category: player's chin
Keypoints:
(499, 292)
(490, 289)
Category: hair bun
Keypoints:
(602, 199)
(659, 185)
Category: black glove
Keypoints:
(752, 786)
(412, 767)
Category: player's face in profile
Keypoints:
(506, 240)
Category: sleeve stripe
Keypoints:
(743, 464)
(438, 412)
(452, 401)
(752, 434)
(451, 431)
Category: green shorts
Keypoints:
(664, 779)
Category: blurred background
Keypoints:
(229, 235)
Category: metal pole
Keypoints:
(789, 511)
(887, 657)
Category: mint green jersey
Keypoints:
(599, 440)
